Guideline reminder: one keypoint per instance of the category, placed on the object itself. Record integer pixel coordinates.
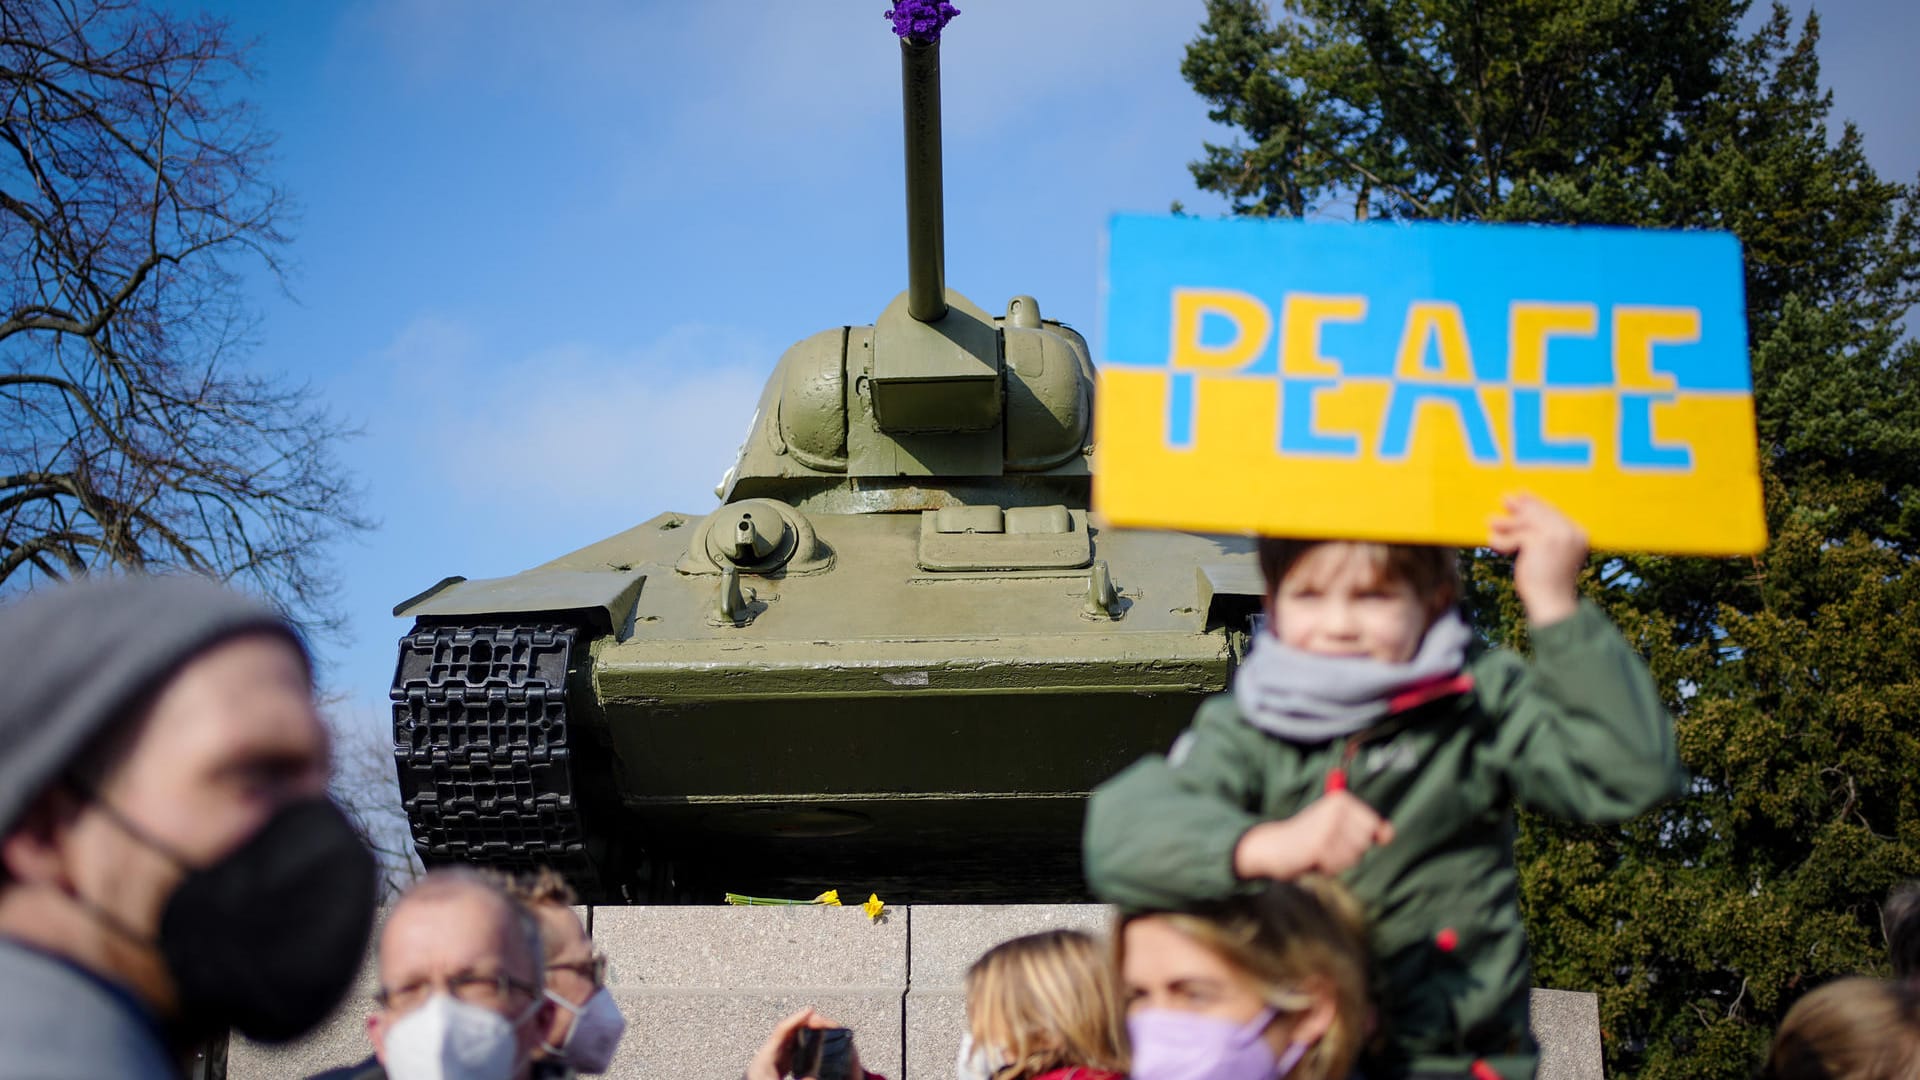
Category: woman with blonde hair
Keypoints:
(1042, 1007)
(1258, 987)
(1851, 1029)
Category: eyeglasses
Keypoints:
(594, 970)
(486, 991)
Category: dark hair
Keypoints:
(1852, 1029)
(1900, 918)
(1432, 572)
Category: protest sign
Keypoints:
(1393, 381)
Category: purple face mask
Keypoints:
(1172, 1045)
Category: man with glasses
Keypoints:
(587, 1024)
(461, 985)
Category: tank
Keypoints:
(896, 658)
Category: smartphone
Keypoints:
(822, 1054)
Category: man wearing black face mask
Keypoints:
(169, 862)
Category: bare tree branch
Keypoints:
(363, 787)
(133, 193)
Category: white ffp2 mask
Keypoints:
(977, 1061)
(449, 1039)
(593, 1035)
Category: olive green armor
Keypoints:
(895, 659)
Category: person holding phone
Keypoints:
(808, 1046)
(1039, 1007)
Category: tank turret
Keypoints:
(895, 658)
(864, 418)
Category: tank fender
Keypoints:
(605, 597)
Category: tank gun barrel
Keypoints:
(926, 227)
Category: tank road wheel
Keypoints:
(482, 739)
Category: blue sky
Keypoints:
(547, 254)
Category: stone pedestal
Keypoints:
(1566, 1023)
(702, 986)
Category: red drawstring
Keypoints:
(1432, 690)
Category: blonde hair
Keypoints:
(1047, 1001)
(1852, 1029)
(1291, 940)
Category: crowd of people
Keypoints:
(1317, 881)
(483, 975)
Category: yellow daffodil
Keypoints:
(830, 898)
(874, 907)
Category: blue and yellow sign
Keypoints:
(1394, 381)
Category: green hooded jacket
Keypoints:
(1579, 733)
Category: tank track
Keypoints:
(481, 737)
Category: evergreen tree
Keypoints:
(1794, 677)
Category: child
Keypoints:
(1369, 736)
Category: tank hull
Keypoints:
(932, 768)
(871, 725)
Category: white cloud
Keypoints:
(592, 433)
(431, 342)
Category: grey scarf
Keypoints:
(1307, 698)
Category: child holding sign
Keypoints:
(1369, 735)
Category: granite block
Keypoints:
(752, 948)
(936, 1019)
(676, 1034)
(703, 987)
(947, 939)
(1566, 1024)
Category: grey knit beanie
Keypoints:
(74, 659)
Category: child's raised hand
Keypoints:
(1549, 552)
(1329, 836)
